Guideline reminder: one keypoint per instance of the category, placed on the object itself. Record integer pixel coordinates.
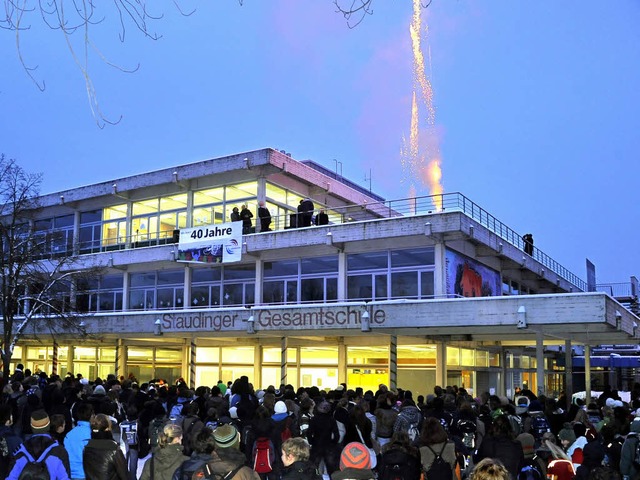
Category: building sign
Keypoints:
(221, 243)
(468, 278)
(271, 319)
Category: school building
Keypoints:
(411, 293)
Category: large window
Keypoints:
(301, 280)
(389, 274)
(228, 285)
(102, 294)
(54, 236)
(156, 290)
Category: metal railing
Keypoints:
(424, 205)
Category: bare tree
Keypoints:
(37, 285)
(74, 18)
(355, 11)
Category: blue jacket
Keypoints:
(33, 449)
(74, 442)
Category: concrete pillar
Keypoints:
(257, 360)
(441, 364)
(121, 359)
(342, 276)
(283, 360)
(540, 381)
(186, 297)
(505, 382)
(342, 362)
(440, 272)
(258, 291)
(125, 291)
(393, 362)
(587, 373)
(192, 363)
(568, 372)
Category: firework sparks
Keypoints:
(420, 155)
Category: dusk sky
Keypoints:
(537, 105)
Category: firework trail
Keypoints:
(420, 153)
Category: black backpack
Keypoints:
(396, 464)
(36, 469)
(439, 469)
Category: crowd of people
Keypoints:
(70, 428)
(304, 218)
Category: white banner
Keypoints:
(220, 243)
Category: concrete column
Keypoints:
(540, 363)
(189, 219)
(587, 373)
(440, 272)
(505, 384)
(441, 364)
(342, 362)
(54, 360)
(257, 360)
(192, 363)
(76, 233)
(186, 297)
(283, 360)
(258, 291)
(342, 276)
(568, 372)
(393, 362)
(125, 291)
(121, 359)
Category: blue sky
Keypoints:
(536, 105)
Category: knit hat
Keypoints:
(99, 390)
(280, 407)
(355, 455)
(535, 406)
(226, 436)
(527, 441)
(40, 422)
(567, 433)
(522, 404)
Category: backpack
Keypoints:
(439, 469)
(636, 455)
(5, 456)
(263, 455)
(529, 472)
(285, 433)
(175, 414)
(516, 424)
(413, 432)
(305, 418)
(155, 427)
(398, 465)
(467, 429)
(188, 425)
(206, 473)
(36, 469)
(129, 429)
(539, 426)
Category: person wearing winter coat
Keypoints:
(323, 437)
(295, 461)
(203, 445)
(102, 458)
(499, 443)
(385, 418)
(57, 460)
(628, 453)
(167, 456)
(434, 441)
(227, 457)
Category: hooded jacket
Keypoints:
(628, 452)
(226, 460)
(165, 462)
(35, 446)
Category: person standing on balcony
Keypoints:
(265, 217)
(246, 216)
(528, 243)
(306, 212)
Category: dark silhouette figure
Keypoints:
(305, 212)
(246, 216)
(235, 215)
(528, 243)
(322, 218)
(265, 217)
